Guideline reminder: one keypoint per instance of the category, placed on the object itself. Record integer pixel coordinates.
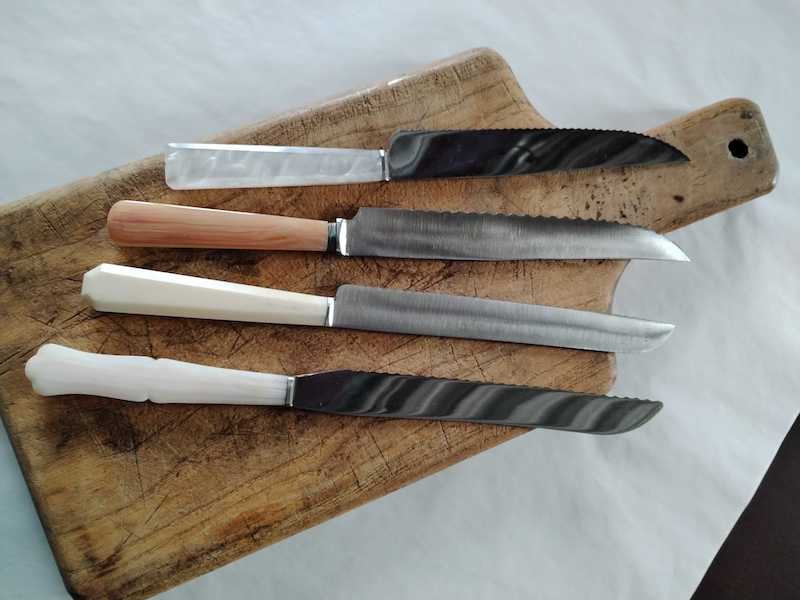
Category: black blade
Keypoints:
(409, 397)
(495, 152)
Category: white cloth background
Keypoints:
(86, 86)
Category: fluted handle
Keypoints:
(115, 288)
(56, 370)
(132, 223)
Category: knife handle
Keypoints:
(115, 288)
(133, 223)
(56, 370)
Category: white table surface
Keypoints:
(86, 86)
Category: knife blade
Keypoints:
(58, 370)
(413, 155)
(116, 288)
(388, 232)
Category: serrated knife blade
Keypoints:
(471, 236)
(388, 232)
(57, 370)
(414, 397)
(413, 155)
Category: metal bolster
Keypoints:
(341, 236)
(384, 167)
(289, 401)
(329, 314)
(333, 237)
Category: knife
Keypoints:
(116, 288)
(413, 155)
(388, 232)
(56, 370)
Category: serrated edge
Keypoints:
(472, 382)
(536, 129)
(499, 214)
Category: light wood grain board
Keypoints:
(137, 498)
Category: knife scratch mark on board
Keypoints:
(172, 424)
(444, 434)
(156, 509)
(399, 360)
(377, 446)
(355, 476)
(57, 231)
(452, 351)
(480, 368)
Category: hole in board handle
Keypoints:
(738, 148)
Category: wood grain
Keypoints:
(137, 498)
(151, 224)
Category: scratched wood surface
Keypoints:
(137, 498)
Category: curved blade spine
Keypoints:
(497, 152)
(399, 233)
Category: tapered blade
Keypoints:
(495, 152)
(419, 313)
(409, 397)
(463, 236)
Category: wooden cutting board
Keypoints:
(138, 498)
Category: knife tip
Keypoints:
(656, 246)
(678, 156)
(671, 251)
(651, 335)
(661, 333)
(672, 154)
(638, 414)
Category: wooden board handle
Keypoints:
(56, 370)
(150, 224)
(732, 161)
(115, 288)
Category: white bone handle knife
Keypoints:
(116, 288)
(58, 370)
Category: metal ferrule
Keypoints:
(341, 236)
(337, 237)
(384, 165)
(329, 315)
(333, 237)
(289, 401)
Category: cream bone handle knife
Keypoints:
(413, 155)
(388, 232)
(58, 370)
(121, 289)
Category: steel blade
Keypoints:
(494, 152)
(418, 313)
(201, 166)
(464, 236)
(409, 397)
